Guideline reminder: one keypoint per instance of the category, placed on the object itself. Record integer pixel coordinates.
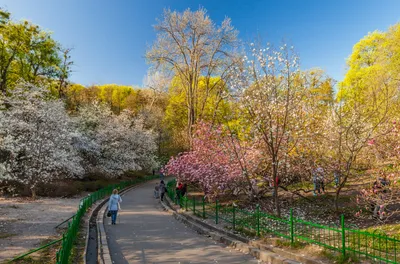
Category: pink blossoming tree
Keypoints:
(218, 162)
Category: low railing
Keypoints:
(375, 246)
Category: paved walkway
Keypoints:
(146, 234)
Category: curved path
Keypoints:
(146, 234)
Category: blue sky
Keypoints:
(110, 37)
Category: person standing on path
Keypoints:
(321, 179)
(113, 205)
(184, 190)
(162, 190)
(315, 181)
(178, 192)
(379, 195)
(318, 180)
(336, 175)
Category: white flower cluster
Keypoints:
(35, 138)
(40, 142)
(114, 144)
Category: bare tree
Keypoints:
(64, 71)
(190, 45)
(158, 83)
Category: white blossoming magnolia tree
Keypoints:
(114, 144)
(270, 93)
(35, 138)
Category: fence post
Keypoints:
(186, 201)
(216, 211)
(291, 227)
(233, 218)
(258, 219)
(204, 209)
(62, 248)
(194, 205)
(343, 236)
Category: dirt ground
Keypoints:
(25, 224)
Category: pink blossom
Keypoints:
(216, 162)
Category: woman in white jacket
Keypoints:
(113, 205)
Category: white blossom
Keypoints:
(36, 138)
(114, 144)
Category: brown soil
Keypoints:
(25, 224)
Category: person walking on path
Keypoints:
(113, 205)
(162, 190)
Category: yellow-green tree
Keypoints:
(373, 68)
(75, 96)
(211, 105)
(115, 96)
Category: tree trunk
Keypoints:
(33, 192)
(191, 122)
(339, 189)
(276, 199)
(3, 85)
(252, 191)
(191, 112)
(276, 179)
(337, 198)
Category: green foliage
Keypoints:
(28, 53)
(4, 17)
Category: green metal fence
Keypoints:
(69, 237)
(374, 246)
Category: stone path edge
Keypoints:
(261, 251)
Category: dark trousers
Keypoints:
(113, 216)
(162, 196)
(178, 197)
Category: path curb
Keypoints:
(102, 244)
(263, 252)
